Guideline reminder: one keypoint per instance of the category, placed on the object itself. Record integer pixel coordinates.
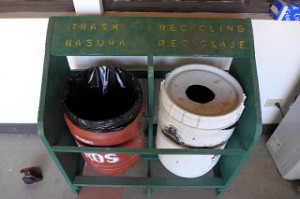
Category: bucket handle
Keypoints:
(171, 132)
(232, 126)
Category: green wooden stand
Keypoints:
(150, 37)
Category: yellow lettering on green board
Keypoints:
(89, 43)
(222, 44)
(213, 44)
(173, 43)
(68, 43)
(115, 26)
(172, 28)
(183, 28)
(111, 42)
(232, 45)
(221, 28)
(93, 27)
(74, 26)
(240, 28)
(122, 42)
(202, 28)
(184, 43)
(242, 44)
(203, 44)
(229, 28)
(78, 42)
(162, 27)
(161, 43)
(82, 26)
(104, 26)
(100, 42)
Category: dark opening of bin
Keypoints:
(200, 94)
(98, 96)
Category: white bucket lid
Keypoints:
(221, 109)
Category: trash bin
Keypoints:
(103, 106)
(199, 106)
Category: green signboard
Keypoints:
(142, 36)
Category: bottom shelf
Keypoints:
(136, 181)
(136, 177)
(151, 182)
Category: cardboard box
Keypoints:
(287, 10)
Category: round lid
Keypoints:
(204, 90)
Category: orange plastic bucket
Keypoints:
(112, 163)
(107, 138)
(103, 106)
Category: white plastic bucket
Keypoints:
(187, 166)
(189, 136)
(203, 103)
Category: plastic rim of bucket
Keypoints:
(112, 163)
(110, 76)
(186, 166)
(189, 136)
(107, 138)
(220, 112)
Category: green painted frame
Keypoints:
(146, 34)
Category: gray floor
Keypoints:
(257, 179)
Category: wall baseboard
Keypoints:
(25, 128)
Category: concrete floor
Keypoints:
(259, 177)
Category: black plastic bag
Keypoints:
(102, 99)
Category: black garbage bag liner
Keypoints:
(102, 99)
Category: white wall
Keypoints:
(277, 46)
(22, 44)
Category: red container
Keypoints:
(112, 163)
(107, 138)
(103, 106)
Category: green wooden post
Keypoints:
(150, 70)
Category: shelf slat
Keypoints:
(153, 182)
(233, 149)
(146, 151)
